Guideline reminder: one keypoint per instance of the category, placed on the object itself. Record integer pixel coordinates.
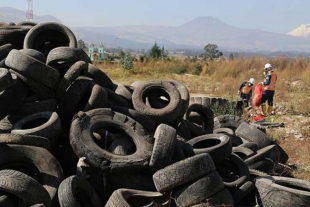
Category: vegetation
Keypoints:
(211, 52)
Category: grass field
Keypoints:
(222, 78)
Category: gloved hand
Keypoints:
(262, 83)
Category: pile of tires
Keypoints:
(71, 136)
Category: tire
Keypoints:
(252, 134)
(194, 129)
(12, 34)
(5, 50)
(77, 69)
(32, 68)
(199, 190)
(282, 191)
(66, 55)
(165, 138)
(35, 161)
(144, 120)
(122, 146)
(27, 109)
(83, 144)
(241, 193)
(183, 172)
(18, 184)
(99, 77)
(40, 90)
(34, 54)
(75, 191)
(184, 95)
(264, 159)
(123, 91)
(82, 95)
(222, 198)
(183, 130)
(160, 115)
(129, 197)
(228, 121)
(53, 33)
(12, 97)
(5, 79)
(29, 140)
(243, 152)
(233, 171)
(45, 124)
(217, 145)
(206, 116)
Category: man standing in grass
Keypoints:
(245, 91)
(269, 85)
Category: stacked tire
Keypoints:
(71, 136)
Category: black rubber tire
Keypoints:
(84, 145)
(241, 193)
(99, 77)
(32, 68)
(199, 190)
(243, 152)
(82, 95)
(5, 79)
(35, 54)
(27, 109)
(6, 124)
(124, 91)
(76, 191)
(252, 134)
(12, 97)
(29, 140)
(144, 120)
(183, 130)
(251, 145)
(233, 171)
(183, 172)
(165, 138)
(79, 68)
(264, 159)
(40, 90)
(219, 146)
(282, 191)
(26, 23)
(229, 121)
(45, 124)
(37, 161)
(122, 146)
(13, 34)
(64, 55)
(5, 50)
(194, 129)
(206, 116)
(184, 95)
(161, 115)
(19, 184)
(129, 197)
(222, 198)
(56, 34)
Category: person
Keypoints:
(269, 85)
(245, 91)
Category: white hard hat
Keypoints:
(268, 66)
(252, 81)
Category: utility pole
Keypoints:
(29, 12)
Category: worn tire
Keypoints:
(183, 172)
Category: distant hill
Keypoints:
(301, 31)
(9, 14)
(198, 33)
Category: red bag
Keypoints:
(258, 93)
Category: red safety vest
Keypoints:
(246, 89)
(273, 80)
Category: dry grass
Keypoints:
(222, 79)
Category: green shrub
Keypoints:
(197, 70)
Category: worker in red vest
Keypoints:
(269, 85)
(245, 91)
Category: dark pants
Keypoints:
(268, 96)
(245, 98)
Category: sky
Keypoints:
(279, 16)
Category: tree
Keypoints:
(127, 61)
(211, 52)
(155, 52)
(231, 56)
(81, 44)
(121, 54)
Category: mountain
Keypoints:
(9, 14)
(196, 34)
(301, 31)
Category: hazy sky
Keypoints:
(279, 16)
